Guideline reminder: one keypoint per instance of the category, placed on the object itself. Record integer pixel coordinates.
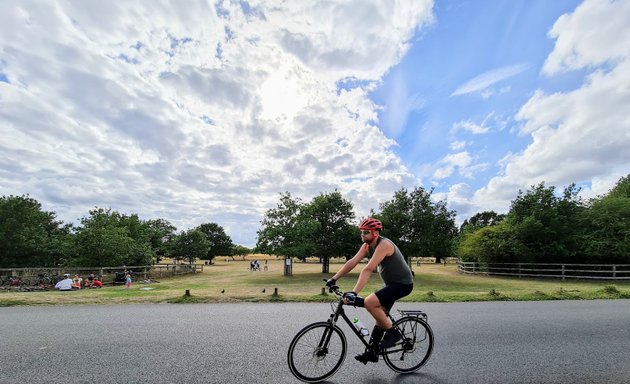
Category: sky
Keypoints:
(199, 111)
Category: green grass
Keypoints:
(433, 283)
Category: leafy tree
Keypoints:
(320, 228)
(192, 244)
(545, 223)
(108, 238)
(221, 243)
(239, 250)
(419, 226)
(491, 244)
(162, 233)
(604, 235)
(621, 189)
(481, 219)
(285, 231)
(329, 215)
(29, 236)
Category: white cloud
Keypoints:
(452, 161)
(457, 145)
(476, 129)
(597, 32)
(580, 136)
(489, 78)
(197, 113)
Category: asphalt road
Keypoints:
(494, 342)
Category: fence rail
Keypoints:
(552, 270)
(107, 274)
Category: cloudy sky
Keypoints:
(199, 111)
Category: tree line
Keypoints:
(31, 237)
(544, 227)
(540, 226)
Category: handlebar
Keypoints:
(334, 289)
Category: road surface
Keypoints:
(489, 342)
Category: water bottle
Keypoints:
(360, 327)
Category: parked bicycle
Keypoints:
(47, 281)
(319, 349)
(15, 282)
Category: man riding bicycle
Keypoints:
(396, 274)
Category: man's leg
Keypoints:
(373, 305)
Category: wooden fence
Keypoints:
(561, 271)
(107, 274)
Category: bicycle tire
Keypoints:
(415, 349)
(311, 363)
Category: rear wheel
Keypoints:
(317, 352)
(415, 348)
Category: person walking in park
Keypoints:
(385, 256)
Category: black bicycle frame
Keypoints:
(339, 312)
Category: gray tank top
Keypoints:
(393, 269)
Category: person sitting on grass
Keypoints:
(65, 284)
(96, 283)
(76, 282)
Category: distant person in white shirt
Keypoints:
(65, 284)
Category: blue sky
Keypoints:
(206, 113)
(464, 79)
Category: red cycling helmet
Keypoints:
(371, 224)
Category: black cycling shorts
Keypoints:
(392, 292)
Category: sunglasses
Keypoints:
(366, 232)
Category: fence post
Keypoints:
(614, 271)
(519, 270)
(562, 272)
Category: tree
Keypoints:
(240, 250)
(604, 227)
(162, 233)
(320, 228)
(108, 238)
(482, 219)
(285, 231)
(192, 244)
(29, 236)
(221, 243)
(545, 223)
(329, 215)
(419, 226)
(491, 244)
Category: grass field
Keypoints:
(233, 282)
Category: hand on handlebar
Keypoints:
(331, 285)
(349, 297)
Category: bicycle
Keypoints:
(47, 281)
(17, 282)
(319, 349)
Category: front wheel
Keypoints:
(317, 352)
(416, 346)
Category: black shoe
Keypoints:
(392, 336)
(366, 357)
